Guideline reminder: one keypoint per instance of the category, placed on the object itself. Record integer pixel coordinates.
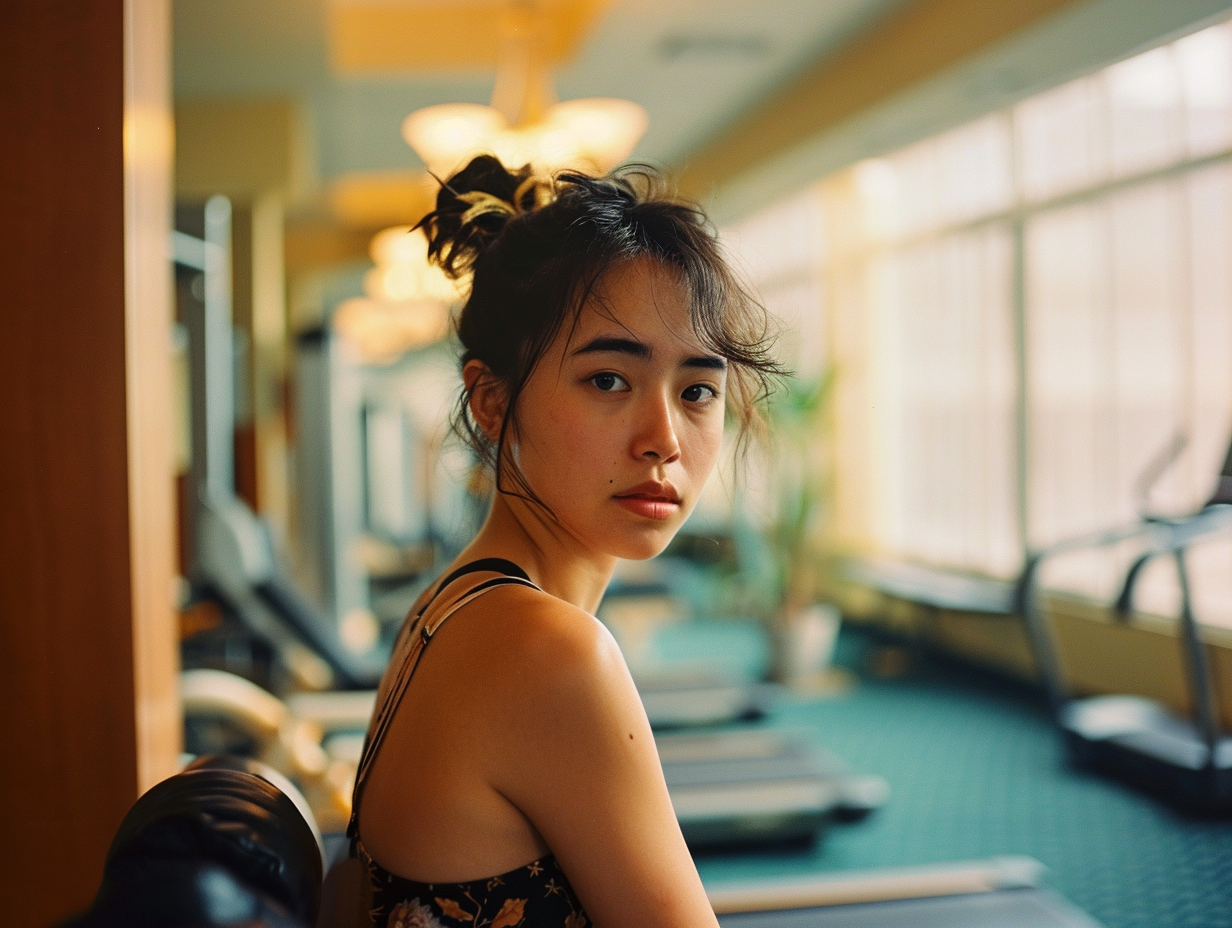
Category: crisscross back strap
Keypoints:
(414, 636)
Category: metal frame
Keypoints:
(1215, 520)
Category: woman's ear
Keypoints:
(486, 396)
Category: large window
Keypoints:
(1026, 311)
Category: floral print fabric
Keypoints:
(534, 896)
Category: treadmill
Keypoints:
(1132, 737)
(1005, 892)
(1189, 759)
(701, 698)
(679, 694)
(734, 784)
(760, 786)
(234, 558)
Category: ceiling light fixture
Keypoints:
(407, 299)
(403, 271)
(525, 124)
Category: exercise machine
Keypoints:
(1005, 892)
(759, 785)
(227, 841)
(698, 699)
(1136, 737)
(1133, 737)
(225, 713)
(234, 559)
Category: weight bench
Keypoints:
(228, 841)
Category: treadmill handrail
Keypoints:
(281, 597)
(1214, 520)
(1026, 602)
(1176, 536)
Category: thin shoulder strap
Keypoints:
(496, 565)
(415, 636)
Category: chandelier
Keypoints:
(406, 302)
(525, 124)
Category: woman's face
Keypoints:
(621, 422)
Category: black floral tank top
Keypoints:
(535, 895)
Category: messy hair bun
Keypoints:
(472, 208)
(536, 249)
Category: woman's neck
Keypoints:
(521, 532)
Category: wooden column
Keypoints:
(88, 710)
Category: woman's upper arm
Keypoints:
(580, 762)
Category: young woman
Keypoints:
(510, 777)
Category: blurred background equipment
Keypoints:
(226, 714)
(233, 555)
(737, 780)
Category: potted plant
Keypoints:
(779, 512)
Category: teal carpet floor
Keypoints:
(976, 770)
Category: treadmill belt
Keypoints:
(1005, 908)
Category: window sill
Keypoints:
(1099, 654)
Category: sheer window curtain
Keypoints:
(1022, 312)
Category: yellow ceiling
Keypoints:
(383, 37)
(241, 148)
(374, 199)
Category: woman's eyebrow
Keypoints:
(631, 346)
(628, 346)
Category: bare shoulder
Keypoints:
(561, 703)
(542, 646)
(574, 753)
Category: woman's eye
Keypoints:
(609, 383)
(699, 393)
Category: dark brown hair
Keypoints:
(535, 250)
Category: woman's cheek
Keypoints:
(707, 441)
(583, 443)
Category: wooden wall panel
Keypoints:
(82, 647)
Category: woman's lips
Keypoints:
(653, 499)
(650, 507)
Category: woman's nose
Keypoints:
(655, 438)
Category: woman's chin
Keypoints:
(644, 546)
